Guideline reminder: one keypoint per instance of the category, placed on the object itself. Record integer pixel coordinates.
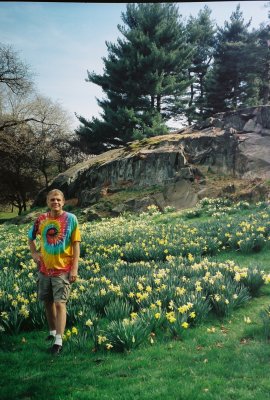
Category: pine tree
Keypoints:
(145, 77)
(233, 66)
(201, 35)
(263, 62)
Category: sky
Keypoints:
(60, 41)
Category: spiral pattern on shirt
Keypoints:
(54, 234)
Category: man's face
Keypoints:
(55, 202)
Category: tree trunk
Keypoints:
(19, 206)
(43, 170)
(266, 86)
(158, 103)
(201, 76)
(21, 200)
(266, 80)
(24, 205)
(190, 103)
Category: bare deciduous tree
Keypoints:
(36, 141)
(13, 72)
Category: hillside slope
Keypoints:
(226, 155)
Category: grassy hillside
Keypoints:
(171, 305)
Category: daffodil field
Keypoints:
(143, 277)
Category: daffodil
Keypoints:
(101, 339)
(247, 320)
(74, 330)
(133, 315)
(185, 325)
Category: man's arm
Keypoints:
(35, 254)
(74, 269)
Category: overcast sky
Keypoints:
(61, 41)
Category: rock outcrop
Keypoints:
(235, 144)
(251, 126)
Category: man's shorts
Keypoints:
(53, 288)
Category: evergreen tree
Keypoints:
(263, 62)
(232, 73)
(201, 35)
(145, 77)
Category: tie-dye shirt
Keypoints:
(56, 236)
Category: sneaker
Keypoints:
(49, 338)
(55, 349)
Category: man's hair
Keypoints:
(55, 191)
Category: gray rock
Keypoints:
(249, 126)
(88, 197)
(235, 143)
(253, 157)
(120, 208)
(258, 128)
(265, 132)
(93, 216)
(180, 195)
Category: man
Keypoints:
(57, 258)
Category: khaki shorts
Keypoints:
(53, 288)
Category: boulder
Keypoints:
(180, 195)
(253, 157)
(231, 143)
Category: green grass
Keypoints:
(5, 215)
(231, 363)
(221, 359)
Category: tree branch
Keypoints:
(10, 123)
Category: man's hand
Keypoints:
(72, 278)
(36, 256)
(73, 274)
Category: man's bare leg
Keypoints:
(61, 317)
(50, 310)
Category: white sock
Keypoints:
(58, 340)
(53, 333)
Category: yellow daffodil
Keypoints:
(185, 325)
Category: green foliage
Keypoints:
(201, 306)
(231, 297)
(193, 213)
(150, 125)
(145, 76)
(153, 318)
(127, 334)
(142, 277)
(38, 318)
(118, 310)
(235, 79)
(68, 207)
(162, 68)
(254, 281)
(265, 317)
(11, 320)
(201, 35)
